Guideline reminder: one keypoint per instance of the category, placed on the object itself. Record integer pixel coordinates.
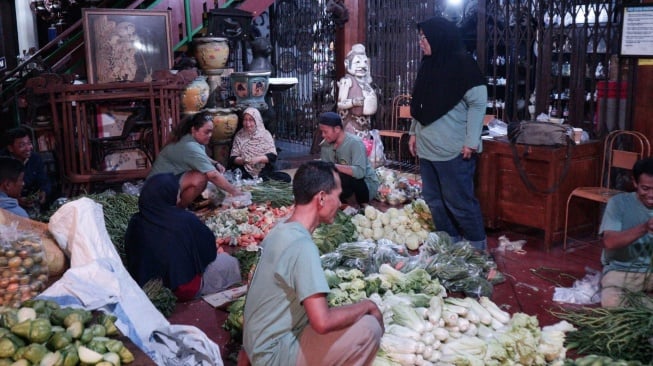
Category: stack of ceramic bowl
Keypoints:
(212, 54)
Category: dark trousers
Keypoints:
(357, 187)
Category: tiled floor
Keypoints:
(531, 275)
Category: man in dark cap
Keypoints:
(348, 152)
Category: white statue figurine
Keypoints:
(356, 98)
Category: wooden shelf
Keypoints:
(74, 110)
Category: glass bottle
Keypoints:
(566, 69)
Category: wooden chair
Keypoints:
(615, 156)
(400, 112)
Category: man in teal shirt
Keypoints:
(627, 229)
(348, 152)
(287, 319)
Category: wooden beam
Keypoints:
(351, 33)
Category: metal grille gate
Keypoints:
(303, 36)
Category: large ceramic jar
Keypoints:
(250, 88)
(225, 122)
(195, 96)
(211, 52)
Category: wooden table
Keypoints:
(504, 197)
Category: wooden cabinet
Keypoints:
(505, 199)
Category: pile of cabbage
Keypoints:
(409, 225)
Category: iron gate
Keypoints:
(303, 36)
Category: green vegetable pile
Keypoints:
(328, 237)
(43, 333)
(277, 193)
(351, 285)
(620, 333)
(596, 360)
(234, 322)
(246, 259)
(161, 297)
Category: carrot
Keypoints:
(399, 265)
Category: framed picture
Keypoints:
(126, 44)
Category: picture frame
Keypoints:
(125, 45)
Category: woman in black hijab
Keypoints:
(447, 106)
(170, 243)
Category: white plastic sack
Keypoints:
(584, 291)
(97, 280)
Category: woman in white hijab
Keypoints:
(253, 150)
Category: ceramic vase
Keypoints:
(195, 96)
(225, 122)
(211, 52)
(250, 88)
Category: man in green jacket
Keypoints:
(348, 152)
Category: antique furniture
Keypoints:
(504, 197)
(75, 109)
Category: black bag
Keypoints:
(542, 134)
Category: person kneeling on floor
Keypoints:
(170, 243)
(287, 319)
(627, 230)
(348, 153)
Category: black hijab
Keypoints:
(446, 75)
(164, 241)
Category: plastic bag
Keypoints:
(331, 260)
(386, 254)
(470, 286)
(22, 254)
(241, 200)
(377, 156)
(133, 188)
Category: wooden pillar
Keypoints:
(643, 98)
(351, 33)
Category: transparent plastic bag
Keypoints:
(470, 286)
(21, 254)
(359, 249)
(331, 260)
(241, 200)
(377, 156)
(386, 254)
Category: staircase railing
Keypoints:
(64, 54)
